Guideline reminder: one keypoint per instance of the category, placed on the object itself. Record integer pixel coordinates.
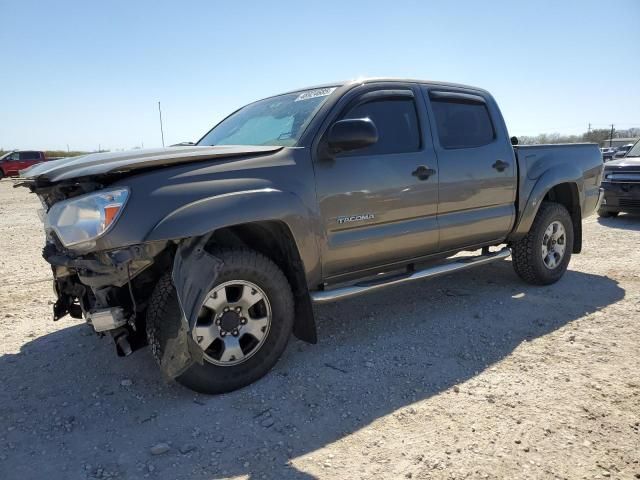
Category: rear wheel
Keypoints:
(542, 257)
(243, 326)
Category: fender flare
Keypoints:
(549, 179)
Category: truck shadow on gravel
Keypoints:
(622, 222)
(70, 408)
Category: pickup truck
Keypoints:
(621, 184)
(12, 162)
(214, 254)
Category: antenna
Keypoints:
(161, 129)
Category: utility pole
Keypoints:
(611, 136)
(161, 129)
(589, 131)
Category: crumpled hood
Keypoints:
(122, 162)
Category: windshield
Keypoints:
(277, 120)
(635, 150)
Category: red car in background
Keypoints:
(12, 162)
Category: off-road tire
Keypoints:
(527, 253)
(607, 213)
(164, 317)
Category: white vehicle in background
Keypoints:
(622, 151)
(608, 153)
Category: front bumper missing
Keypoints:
(97, 286)
(83, 283)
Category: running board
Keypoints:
(325, 296)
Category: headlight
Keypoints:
(79, 221)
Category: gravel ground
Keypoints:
(475, 375)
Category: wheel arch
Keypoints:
(566, 194)
(275, 240)
(563, 185)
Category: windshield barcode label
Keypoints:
(320, 92)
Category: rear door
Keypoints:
(376, 205)
(477, 166)
(28, 159)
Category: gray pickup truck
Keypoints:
(214, 254)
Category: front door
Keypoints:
(379, 203)
(12, 164)
(477, 166)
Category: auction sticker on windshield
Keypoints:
(320, 92)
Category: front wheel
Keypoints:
(243, 326)
(542, 257)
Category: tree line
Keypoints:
(598, 135)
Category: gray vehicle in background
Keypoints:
(621, 185)
(214, 254)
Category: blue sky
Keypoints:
(89, 74)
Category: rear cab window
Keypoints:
(461, 120)
(29, 156)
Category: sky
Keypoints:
(86, 75)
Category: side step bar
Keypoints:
(325, 296)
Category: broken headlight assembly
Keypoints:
(79, 221)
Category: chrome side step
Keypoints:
(325, 296)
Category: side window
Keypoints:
(14, 157)
(397, 123)
(29, 156)
(462, 124)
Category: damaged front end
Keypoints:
(110, 289)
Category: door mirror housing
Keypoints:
(352, 134)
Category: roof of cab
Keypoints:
(359, 81)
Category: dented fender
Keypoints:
(194, 273)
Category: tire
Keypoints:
(243, 266)
(527, 254)
(607, 213)
(1, 174)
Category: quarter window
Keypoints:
(397, 124)
(462, 124)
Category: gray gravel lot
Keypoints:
(475, 375)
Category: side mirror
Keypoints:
(514, 141)
(352, 134)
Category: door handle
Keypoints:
(423, 173)
(500, 165)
